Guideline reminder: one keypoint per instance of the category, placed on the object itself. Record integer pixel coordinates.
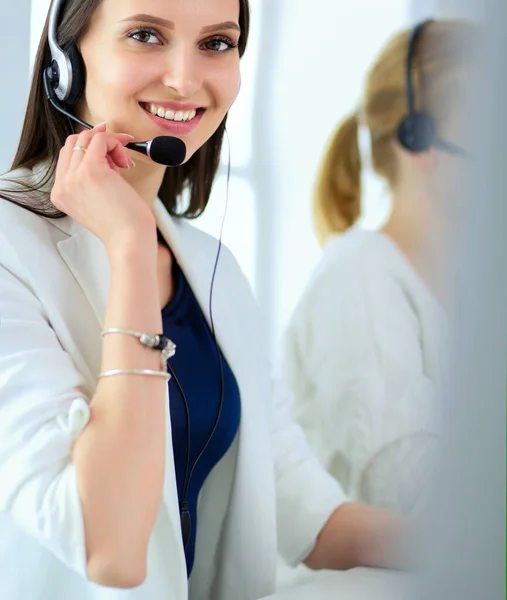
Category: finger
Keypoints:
(107, 145)
(85, 139)
(120, 156)
(112, 164)
(80, 148)
(100, 126)
(67, 151)
(65, 156)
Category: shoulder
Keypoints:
(358, 297)
(356, 268)
(16, 185)
(20, 228)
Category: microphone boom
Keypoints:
(164, 149)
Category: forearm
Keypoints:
(360, 535)
(119, 458)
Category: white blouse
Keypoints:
(364, 354)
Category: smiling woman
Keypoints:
(173, 58)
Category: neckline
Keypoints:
(172, 307)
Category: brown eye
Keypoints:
(220, 45)
(144, 36)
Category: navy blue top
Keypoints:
(197, 369)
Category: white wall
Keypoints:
(445, 9)
(39, 13)
(14, 44)
(475, 9)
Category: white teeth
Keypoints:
(171, 115)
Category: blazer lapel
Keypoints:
(86, 257)
(197, 260)
(250, 551)
(86, 260)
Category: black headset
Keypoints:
(66, 74)
(64, 82)
(417, 132)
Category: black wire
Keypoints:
(51, 96)
(450, 147)
(71, 126)
(70, 116)
(187, 417)
(188, 474)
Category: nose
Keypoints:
(182, 73)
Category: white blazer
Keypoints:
(54, 277)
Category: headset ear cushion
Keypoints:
(416, 133)
(78, 74)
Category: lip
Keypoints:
(176, 127)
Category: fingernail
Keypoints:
(100, 124)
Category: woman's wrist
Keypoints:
(133, 248)
(360, 535)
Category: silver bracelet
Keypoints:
(113, 372)
(150, 340)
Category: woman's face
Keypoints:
(161, 67)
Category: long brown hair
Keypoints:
(45, 131)
(441, 57)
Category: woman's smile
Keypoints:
(176, 118)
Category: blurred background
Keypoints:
(302, 73)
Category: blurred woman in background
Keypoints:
(365, 349)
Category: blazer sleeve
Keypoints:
(43, 409)
(306, 494)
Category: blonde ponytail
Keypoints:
(337, 199)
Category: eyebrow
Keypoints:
(221, 26)
(170, 25)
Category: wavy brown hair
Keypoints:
(45, 131)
